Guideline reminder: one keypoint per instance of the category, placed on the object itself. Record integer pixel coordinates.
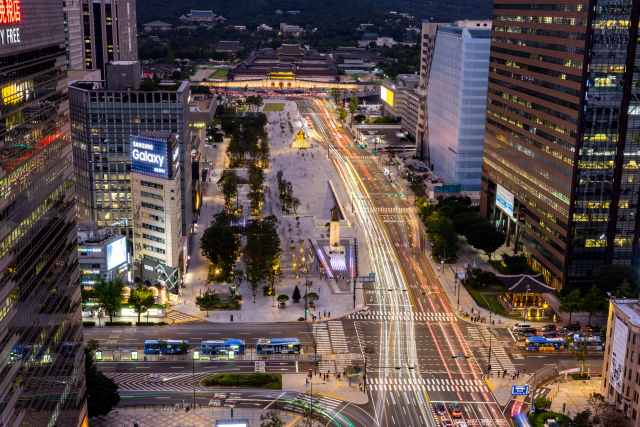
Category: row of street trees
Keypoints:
(110, 295)
(228, 184)
(256, 195)
(249, 140)
(454, 217)
(220, 244)
(261, 255)
(285, 190)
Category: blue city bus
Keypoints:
(544, 344)
(278, 346)
(593, 342)
(164, 347)
(222, 346)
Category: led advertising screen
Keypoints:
(505, 200)
(116, 253)
(150, 156)
(387, 96)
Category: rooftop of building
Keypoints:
(101, 86)
(291, 48)
(229, 45)
(630, 307)
(203, 105)
(103, 236)
(201, 14)
(525, 283)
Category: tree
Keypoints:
(85, 295)
(283, 298)
(183, 347)
(296, 294)
(353, 104)
(102, 391)
(571, 303)
(207, 301)
(624, 290)
(593, 302)
(541, 403)
(109, 295)
(274, 275)
(147, 85)
(360, 118)
(228, 185)
(311, 405)
(93, 345)
(598, 406)
(220, 245)
(271, 419)
(579, 349)
(141, 299)
(311, 297)
(583, 419)
(238, 278)
(342, 115)
(608, 278)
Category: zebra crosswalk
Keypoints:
(499, 359)
(338, 343)
(382, 315)
(330, 339)
(324, 401)
(177, 317)
(387, 210)
(429, 384)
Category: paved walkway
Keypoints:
(201, 417)
(332, 387)
(310, 177)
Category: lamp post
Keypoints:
(490, 336)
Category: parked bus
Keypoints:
(222, 346)
(164, 347)
(278, 346)
(544, 344)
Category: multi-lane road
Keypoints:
(411, 341)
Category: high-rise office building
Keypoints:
(107, 31)
(43, 379)
(104, 115)
(457, 102)
(73, 36)
(562, 139)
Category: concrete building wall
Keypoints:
(73, 34)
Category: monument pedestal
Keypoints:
(334, 233)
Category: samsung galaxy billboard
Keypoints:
(150, 156)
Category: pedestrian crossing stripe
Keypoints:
(499, 357)
(413, 315)
(428, 384)
(325, 400)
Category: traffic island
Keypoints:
(332, 387)
(256, 380)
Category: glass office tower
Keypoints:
(42, 380)
(562, 139)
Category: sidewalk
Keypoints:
(501, 387)
(201, 417)
(310, 177)
(339, 389)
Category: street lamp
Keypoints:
(526, 297)
(490, 336)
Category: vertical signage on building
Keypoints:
(505, 200)
(618, 351)
(10, 13)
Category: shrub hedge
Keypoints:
(88, 323)
(151, 323)
(118, 323)
(541, 418)
(258, 380)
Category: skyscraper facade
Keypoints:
(43, 379)
(562, 135)
(108, 30)
(428, 42)
(104, 115)
(456, 103)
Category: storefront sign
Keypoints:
(150, 156)
(10, 13)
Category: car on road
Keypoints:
(549, 328)
(519, 326)
(461, 424)
(455, 411)
(551, 335)
(365, 311)
(446, 423)
(572, 328)
(531, 331)
(595, 329)
(523, 336)
(440, 409)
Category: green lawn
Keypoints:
(489, 302)
(257, 380)
(273, 106)
(497, 264)
(220, 73)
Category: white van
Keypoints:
(365, 311)
(519, 326)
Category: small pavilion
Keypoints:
(525, 292)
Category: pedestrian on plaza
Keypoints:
(524, 371)
(325, 312)
(349, 382)
(329, 314)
